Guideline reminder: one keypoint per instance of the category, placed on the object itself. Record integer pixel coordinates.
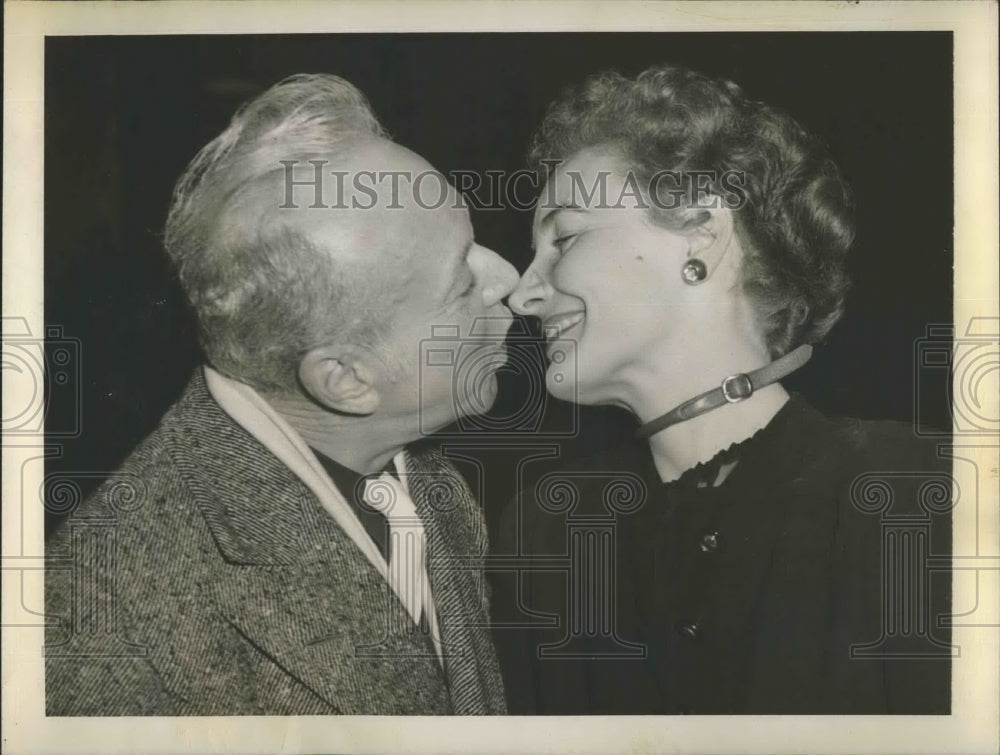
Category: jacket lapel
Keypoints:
(337, 629)
(455, 537)
(292, 582)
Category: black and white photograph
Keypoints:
(639, 381)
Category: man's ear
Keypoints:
(714, 240)
(339, 378)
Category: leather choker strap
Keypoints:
(734, 389)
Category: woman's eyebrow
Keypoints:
(562, 208)
(549, 218)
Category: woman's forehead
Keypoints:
(581, 171)
(591, 181)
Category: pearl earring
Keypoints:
(694, 271)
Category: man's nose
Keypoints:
(501, 278)
(530, 294)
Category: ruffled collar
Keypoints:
(743, 453)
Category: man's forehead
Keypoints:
(383, 155)
(375, 175)
(369, 192)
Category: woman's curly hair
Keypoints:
(795, 217)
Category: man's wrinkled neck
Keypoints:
(365, 444)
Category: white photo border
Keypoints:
(973, 725)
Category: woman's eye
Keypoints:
(562, 242)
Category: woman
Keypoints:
(690, 246)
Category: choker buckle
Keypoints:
(737, 387)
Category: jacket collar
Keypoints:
(315, 600)
(272, 476)
(252, 503)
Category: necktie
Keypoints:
(407, 548)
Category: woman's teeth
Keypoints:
(557, 327)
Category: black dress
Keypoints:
(814, 580)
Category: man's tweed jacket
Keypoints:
(204, 578)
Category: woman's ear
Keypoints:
(714, 240)
(339, 378)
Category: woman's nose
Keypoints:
(530, 294)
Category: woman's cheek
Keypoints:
(578, 273)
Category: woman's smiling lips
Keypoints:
(558, 326)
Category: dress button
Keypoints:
(709, 542)
(689, 629)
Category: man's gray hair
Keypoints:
(265, 294)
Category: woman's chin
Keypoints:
(565, 384)
(572, 386)
(560, 383)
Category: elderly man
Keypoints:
(274, 548)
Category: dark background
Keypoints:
(124, 115)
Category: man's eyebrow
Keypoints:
(457, 265)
